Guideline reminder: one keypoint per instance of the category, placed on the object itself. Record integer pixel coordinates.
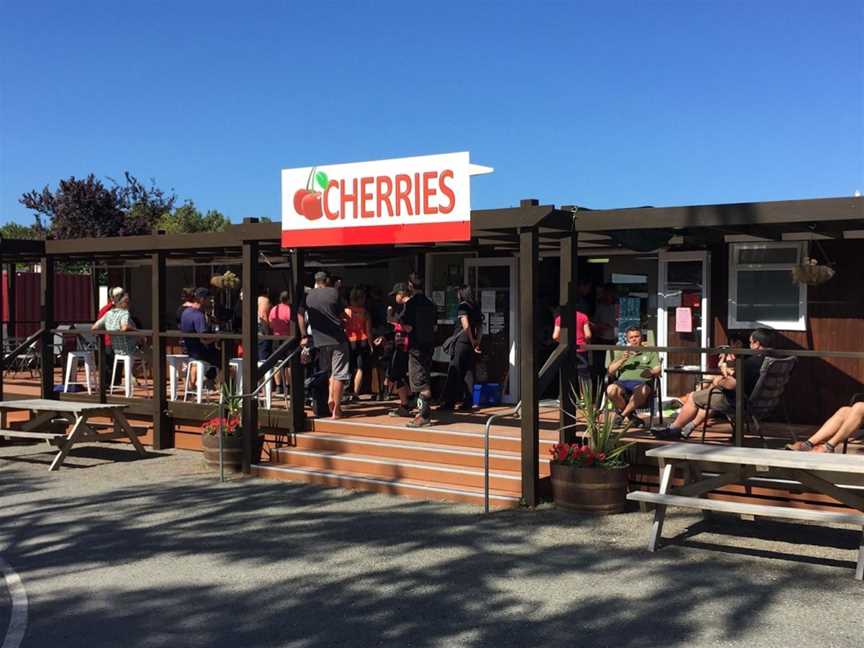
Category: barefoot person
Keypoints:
(845, 422)
(325, 314)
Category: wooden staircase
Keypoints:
(442, 462)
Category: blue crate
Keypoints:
(487, 394)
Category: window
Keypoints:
(761, 290)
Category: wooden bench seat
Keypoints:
(19, 434)
(759, 510)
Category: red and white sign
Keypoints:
(404, 200)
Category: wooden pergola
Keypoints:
(528, 230)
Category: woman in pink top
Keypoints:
(280, 324)
(583, 337)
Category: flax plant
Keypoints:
(600, 433)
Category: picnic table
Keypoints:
(824, 473)
(80, 429)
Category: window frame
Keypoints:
(800, 324)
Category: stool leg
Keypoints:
(172, 380)
(113, 374)
(128, 363)
(86, 362)
(69, 360)
(199, 383)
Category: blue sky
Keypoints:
(599, 104)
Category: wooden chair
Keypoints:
(856, 398)
(766, 396)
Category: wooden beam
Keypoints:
(250, 350)
(529, 260)
(47, 323)
(163, 428)
(298, 389)
(568, 375)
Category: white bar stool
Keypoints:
(200, 370)
(237, 365)
(176, 362)
(128, 380)
(89, 361)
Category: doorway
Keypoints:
(683, 313)
(495, 285)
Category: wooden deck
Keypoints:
(369, 450)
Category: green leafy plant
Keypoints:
(597, 432)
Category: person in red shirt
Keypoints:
(583, 337)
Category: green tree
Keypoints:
(188, 219)
(89, 209)
(18, 231)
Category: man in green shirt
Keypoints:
(631, 372)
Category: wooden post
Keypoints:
(568, 375)
(529, 261)
(298, 389)
(47, 324)
(250, 349)
(739, 400)
(163, 426)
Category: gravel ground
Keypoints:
(156, 552)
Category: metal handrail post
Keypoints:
(489, 421)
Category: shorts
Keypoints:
(629, 386)
(360, 356)
(397, 372)
(419, 362)
(336, 359)
(720, 402)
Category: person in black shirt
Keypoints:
(463, 355)
(417, 322)
(325, 313)
(695, 408)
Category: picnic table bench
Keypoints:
(80, 430)
(823, 473)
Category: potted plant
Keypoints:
(229, 425)
(590, 475)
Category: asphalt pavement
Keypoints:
(118, 551)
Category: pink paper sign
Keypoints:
(683, 320)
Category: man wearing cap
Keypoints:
(417, 320)
(193, 321)
(325, 315)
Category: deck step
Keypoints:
(500, 439)
(388, 468)
(412, 450)
(405, 487)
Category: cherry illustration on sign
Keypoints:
(307, 202)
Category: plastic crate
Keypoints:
(487, 394)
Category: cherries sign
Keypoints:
(308, 201)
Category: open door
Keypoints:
(683, 313)
(495, 285)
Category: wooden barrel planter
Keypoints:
(232, 447)
(589, 490)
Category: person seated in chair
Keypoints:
(845, 422)
(695, 408)
(632, 371)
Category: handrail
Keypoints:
(14, 353)
(489, 421)
(253, 394)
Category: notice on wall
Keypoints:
(496, 323)
(439, 297)
(683, 320)
(487, 301)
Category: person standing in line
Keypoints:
(418, 322)
(280, 324)
(583, 337)
(466, 348)
(325, 314)
(397, 371)
(358, 327)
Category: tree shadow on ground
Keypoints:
(283, 564)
